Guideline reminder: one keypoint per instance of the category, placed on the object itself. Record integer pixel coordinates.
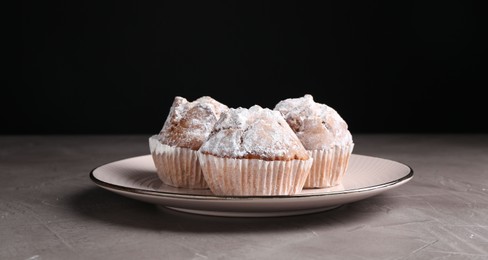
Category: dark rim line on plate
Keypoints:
(216, 197)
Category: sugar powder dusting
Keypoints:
(189, 123)
(257, 133)
(318, 126)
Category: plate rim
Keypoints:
(163, 194)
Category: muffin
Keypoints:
(324, 133)
(254, 152)
(174, 150)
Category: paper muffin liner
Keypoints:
(254, 177)
(176, 166)
(329, 166)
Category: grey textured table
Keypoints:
(50, 209)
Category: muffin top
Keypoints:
(254, 133)
(189, 123)
(318, 126)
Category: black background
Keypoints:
(114, 68)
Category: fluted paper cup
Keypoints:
(176, 166)
(329, 166)
(254, 177)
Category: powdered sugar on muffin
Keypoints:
(254, 133)
(189, 123)
(324, 133)
(318, 126)
(254, 152)
(175, 148)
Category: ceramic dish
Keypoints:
(136, 178)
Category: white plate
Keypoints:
(136, 178)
